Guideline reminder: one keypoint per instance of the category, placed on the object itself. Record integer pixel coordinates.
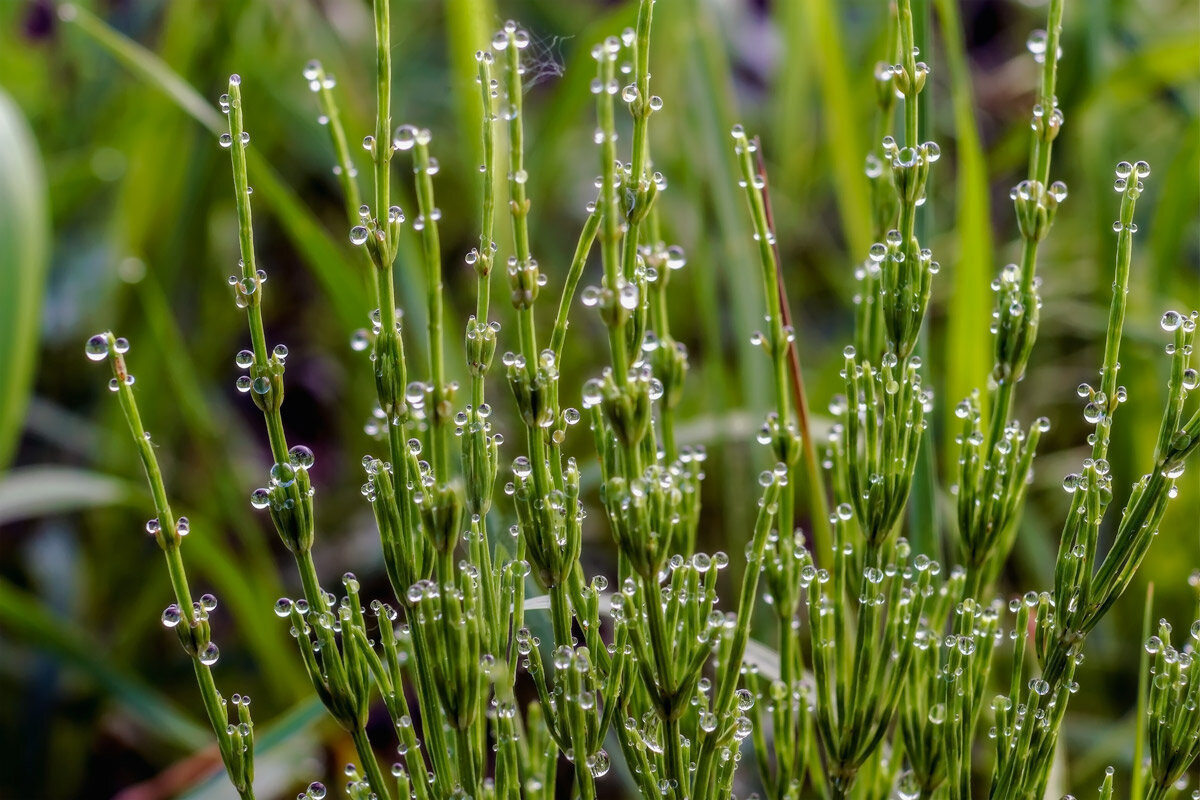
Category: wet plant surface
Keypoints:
(539, 604)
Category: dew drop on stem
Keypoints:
(96, 348)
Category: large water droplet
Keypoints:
(96, 348)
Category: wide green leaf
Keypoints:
(37, 491)
(24, 247)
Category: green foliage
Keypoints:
(24, 252)
(892, 652)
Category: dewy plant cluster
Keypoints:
(883, 678)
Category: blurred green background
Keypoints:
(116, 212)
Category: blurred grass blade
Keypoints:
(329, 262)
(27, 620)
(968, 347)
(1168, 63)
(843, 142)
(146, 65)
(469, 27)
(794, 98)
(1175, 213)
(24, 248)
(30, 492)
(711, 109)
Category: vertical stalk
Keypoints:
(194, 633)
(439, 414)
(610, 228)
(265, 367)
(1138, 779)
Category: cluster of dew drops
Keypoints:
(226, 139)
(96, 349)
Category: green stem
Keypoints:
(439, 414)
(337, 137)
(610, 232)
(362, 745)
(560, 613)
(819, 511)
(383, 109)
(1039, 166)
(274, 421)
(169, 540)
(1138, 779)
(586, 237)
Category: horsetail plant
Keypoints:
(187, 617)
(995, 455)
(1172, 709)
(882, 673)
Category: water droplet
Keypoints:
(283, 475)
(171, 616)
(629, 296)
(96, 348)
(210, 654)
(260, 498)
(405, 137)
(301, 456)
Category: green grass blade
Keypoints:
(469, 27)
(968, 347)
(923, 529)
(329, 262)
(1175, 213)
(844, 143)
(24, 248)
(29, 621)
(794, 96)
(711, 109)
(146, 65)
